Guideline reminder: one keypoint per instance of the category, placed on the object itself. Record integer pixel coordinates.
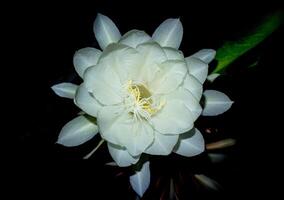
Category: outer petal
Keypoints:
(85, 101)
(216, 103)
(140, 181)
(104, 84)
(206, 55)
(77, 131)
(134, 37)
(190, 144)
(169, 77)
(85, 58)
(105, 31)
(197, 68)
(118, 127)
(150, 55)
(66, 90)
(121, 156)
(169, 33)
(163, 144)
(193, 85)
(174, 117)
(173, 54)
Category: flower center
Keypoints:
(140, 101)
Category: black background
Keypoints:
(44, 39)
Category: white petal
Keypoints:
(174, 117)
(134, 37)
(104, 84)
(163, 144)
(169, 77)
(206, 55)
(173, 54)
(77, 131)
(118, 127)
(140, 181)
(190, 143)
(66, 90)
(121, 156)
(85, 101)
(105, 31)
(151, 55)
(186, 97)
(85, 58)
(169, 33)
(215, 103)
(212, 77)
(122, 59)
(193, 86)
(197, 68)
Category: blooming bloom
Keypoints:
(143, 93)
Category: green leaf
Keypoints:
(232, 50)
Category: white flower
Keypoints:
(144, 94)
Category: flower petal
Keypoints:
(173, 54)
(104, 84)
(121, 58)
(134, 37)
(151, 55)
(121, 156)
(186, 97)
(212, 77)
(174, 117)
(118, 127)
(66, 90)
(193, 85)
(85, 101)
(77, 131)
(162, 145)
(206, 55)
(169, 77)
(216, 103)
(85, 58)
(105, 31)
(197, 68)
(140, 181)
(169, 33)
(190, 143)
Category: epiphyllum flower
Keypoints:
(143, 92)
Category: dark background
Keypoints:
(45, 37)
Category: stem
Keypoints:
(94, 150)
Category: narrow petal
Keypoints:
(169, 77)
(173, 54)
(175, 117)
(105, 31)
(216, 103)
(85, 101)
(206, 55)
(190, 144)
(193, 86)
(121, 156)
(135, 37)
(197, 68)
(104, 84)
(66, 90)
(212, 77)
(85, 58)
(77, 131)
(140, 181)
(169, 33)
(119, 127)
(162, 145)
